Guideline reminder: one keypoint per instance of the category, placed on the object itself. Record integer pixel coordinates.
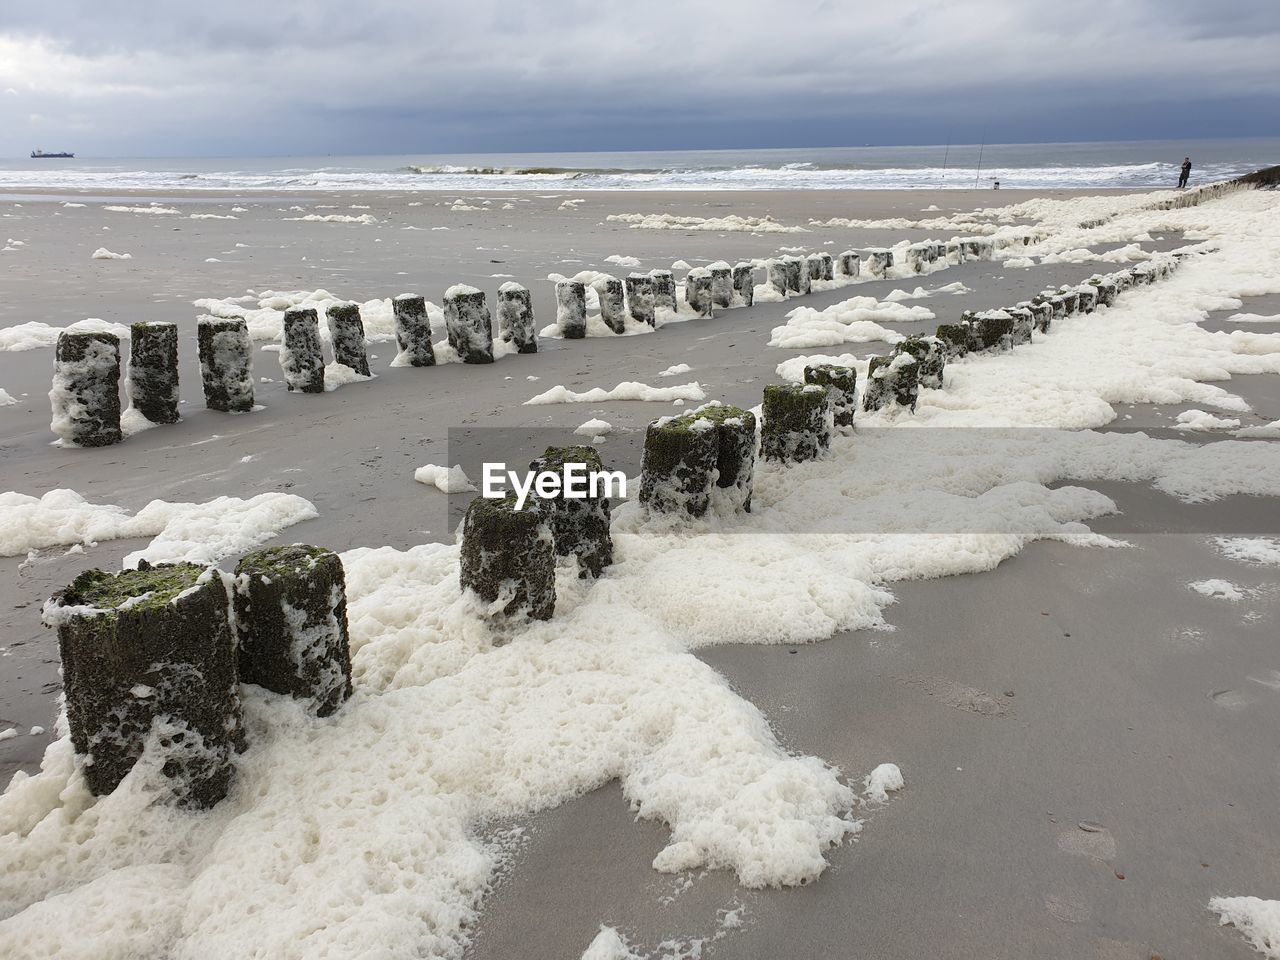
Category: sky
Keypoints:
(143, 78)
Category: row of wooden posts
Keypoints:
(86, 398)
(161, 651)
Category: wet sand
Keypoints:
(1150, 718)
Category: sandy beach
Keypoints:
(1087, 741)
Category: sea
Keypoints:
(1138, 164)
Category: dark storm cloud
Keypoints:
(394, 75)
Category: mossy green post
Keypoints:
(291, 614)
(226, 364)
(1023, 323)
(735, 452)
(580, 526)
(994, 329)
(892, 379)
(842, 384)
(930, 356)
(153, 370)
(509, 554)
(678, 469)
(151, 652)
(797, 422)
(957, 339)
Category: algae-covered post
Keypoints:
(1088, 297)
(994, 330)
(153, 370)
(413, 331)
(697, 291)
(678, 468)
(842, 385)
(955, 251)
(850, 264)
(956, 339)
(828, 266)
(640, 298)
(301, 357)
(291, 614)
(571, 309)
(508, 558)
(918, 257)
(744, 282)
(664, 289)
(346, 331)
(613, 310)
(797, 422)
(148, 655)
(468, 324)
(931, 359)
(86, 389)
(735, 464)
(580, 525)
(1023, 323)
(515, 317)
(892, 379)
(721, 283)
(813, 267)
(226, 363)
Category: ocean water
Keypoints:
(1132, 164)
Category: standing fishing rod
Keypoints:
(978, 174)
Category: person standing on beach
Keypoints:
(1186, 173)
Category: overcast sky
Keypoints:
(281, 77)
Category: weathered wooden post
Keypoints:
(413, 331)
(879, 261)
(677, 471)
(571, 309)
(813, 267)
(797, 422)
(509, 555)
(1023, 323)
(226, 364)
(301, 356)
(956, 339)
(580, 525)
(721, 284)
(346, 333)
(892, 379)
(697, 291)
(850, 264)
(641, 300)
(150, 653)
(153, 370)
(842, 386)
(468, 323)
(777, 270)
(744, 282)
(515, 317)
(85, 396)
(613, 309)
(291, 615)
(664, 289)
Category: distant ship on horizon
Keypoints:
(39, 154)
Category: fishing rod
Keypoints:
(981, 147)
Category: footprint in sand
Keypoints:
(959, 696)
(1088, 839)
(1231, 699)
